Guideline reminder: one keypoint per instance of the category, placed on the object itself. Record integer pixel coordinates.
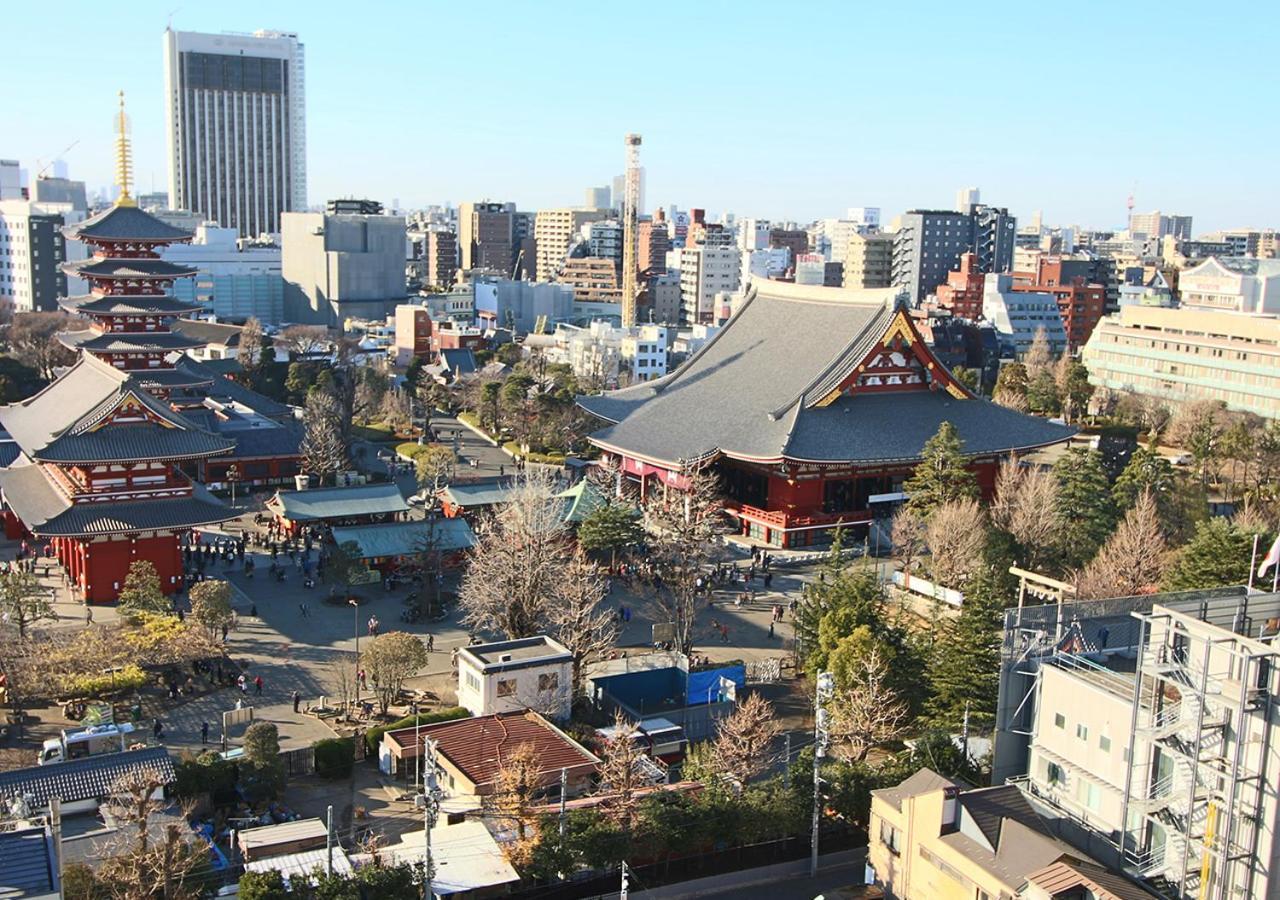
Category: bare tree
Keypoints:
(869, 713)
(32, 338)
(578, 616)
(686, 524)
(956, 534)
(1132, 561)
(1026, 506)
(516, 561)
(323, 450)
(133, 801)
(304, 340)
(516, 787)
(743, 739)
(908, 539)
(619, 780)
(23, 602)
(250, 353)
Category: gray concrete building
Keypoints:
(929, 242)
(926, 247)
(61, 190)
(341, 265)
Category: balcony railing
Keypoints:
(782, 519)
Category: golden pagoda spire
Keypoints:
(124, 158)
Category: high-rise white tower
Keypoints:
(237, 127)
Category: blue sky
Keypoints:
(781, 110)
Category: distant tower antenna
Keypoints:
(1132, 192)
(124, 157)
(630, 215)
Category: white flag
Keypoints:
(1271, 559)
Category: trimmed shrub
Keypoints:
(129, 678)
(373, 737)
(334, 757)
(206, 774)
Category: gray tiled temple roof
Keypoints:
(170, 379)
(339, 502)
(84, 779)
(58, 424)
(230, 388)
(108, 304)
(126, 341)
(752, 392)
(94, 267)
(125, 223)
(208, 332)
(47, 512)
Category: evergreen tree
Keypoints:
(965, 669)
(142, 592)
(1218, 555)
(942, 475)
(612, 527)
(1011, 386)
(1147, 472)
(1086, 511)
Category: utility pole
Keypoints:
(564, 789)
(825, 688)
(430, 809)
(328, 840)
(356, 671)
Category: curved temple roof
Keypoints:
(60, 423)
(127, 304)
(132, 268)
(126, 224)
(761, 390)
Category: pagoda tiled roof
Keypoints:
(171, 379)
(128, 224)
(127, 304)
(209, 332)
(62, 422)
(48, 512)
(126, 341)
(129, 268)
(761, 390)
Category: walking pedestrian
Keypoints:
(224, 633)
(204, 732)
(431, 643)
(88, 614)
(297, 700)
(257, 685)
(157, 729)
(242, 684)
(771, 630)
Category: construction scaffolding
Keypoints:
(1199, 809)
(1201, 746)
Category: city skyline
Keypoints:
(742, 110)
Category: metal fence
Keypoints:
(298, 762)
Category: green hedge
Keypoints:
(411, 449)
(549, 459)
(334, 757)
(130, 678)
(377, 433)
(373, 737)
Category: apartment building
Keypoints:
(1149, 724)
(868, 260)
(486, 236)
(704, 272)
(32, 250)
(1189, 353)
(652, 243)
(555, 232)
(593, 279)
(926, 246)
(1080, 303)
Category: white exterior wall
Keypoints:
(511, 691)
(1017, 316)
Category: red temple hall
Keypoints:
(812, 405)
(99, 477)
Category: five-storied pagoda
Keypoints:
(99, 477)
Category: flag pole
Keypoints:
(1253, 562)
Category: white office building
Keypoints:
(32, 249)
(1018, 315)
(236, 125)
(231, 282)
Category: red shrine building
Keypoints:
(813, 406)
(99, 477)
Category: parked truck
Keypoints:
(79, 743)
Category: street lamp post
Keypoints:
(233, 475)
(430, 812)
(821, 735)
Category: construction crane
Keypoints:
(630, 213)
(47, 166)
